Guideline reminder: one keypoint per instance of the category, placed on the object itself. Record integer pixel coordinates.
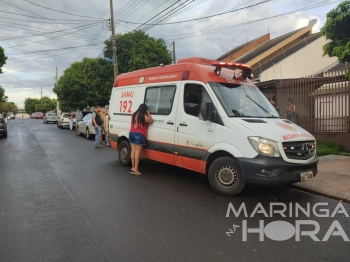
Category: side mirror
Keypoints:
(206, 112)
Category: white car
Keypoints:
(84, 127)
(63, 121)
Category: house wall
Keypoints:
(305, 62)
(332, 105)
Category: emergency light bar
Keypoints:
(246, 69)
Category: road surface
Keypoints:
(63, 200)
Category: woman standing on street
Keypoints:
(137, 136)
(70, 119)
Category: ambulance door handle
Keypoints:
(183, 124)
(170, 123)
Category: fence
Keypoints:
(322, 104)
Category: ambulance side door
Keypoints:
(161, 100)
(194, 136)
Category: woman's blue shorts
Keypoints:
(137, 138)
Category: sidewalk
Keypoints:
(332, 180)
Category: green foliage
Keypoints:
(49, 103)
(8, 107)
(137, 50)
(3, 98)
(2, 58)
(40, 108)
(29, 104)
(337, 30)
(85, 83)
(327, 148)
(32, 105)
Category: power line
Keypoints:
(41, 22)
(216, 30)
(60, 11)
(200, 18)
(141, 24)
(11, 38)
(166, 16)
(52, 37)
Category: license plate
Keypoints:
(306, 175)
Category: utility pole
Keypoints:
(174, 57)
(113, 40)
(41, 95)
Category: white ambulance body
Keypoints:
(211, 119)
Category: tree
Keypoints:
(29, 104)
(85, 83)
(8, 107)
(137, 50)
(3, 58)
(3, 98)
(40, 108)
(337, 30)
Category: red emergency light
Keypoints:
(246, 69)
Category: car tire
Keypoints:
(57, 125)
(61, 126)
(124, 151)
(225, 176)
(87, 135)
(4, 134)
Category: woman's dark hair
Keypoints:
(140, 113)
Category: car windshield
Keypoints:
(51, 114)
(243, 101)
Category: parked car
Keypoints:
(63, 121)
(39, 115)
(84, 126)
(3, 127)
(50, 117)
(32, 115)
(11, 115)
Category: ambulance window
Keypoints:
(160, 99)
(193, 97)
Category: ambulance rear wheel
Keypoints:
(124, 151)
(225, 176)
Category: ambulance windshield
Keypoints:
(243, 101)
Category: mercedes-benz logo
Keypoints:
(305, 149)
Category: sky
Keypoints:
(40, 35)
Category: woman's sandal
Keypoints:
(133, 172)
(137, 173)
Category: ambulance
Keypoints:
(210, 117)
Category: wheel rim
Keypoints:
(87, 133)
(226, 176)
(124, 154)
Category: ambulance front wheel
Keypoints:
(124, 153)
(225, 176)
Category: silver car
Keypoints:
(63, 121)
(85, 127)
(50, 117)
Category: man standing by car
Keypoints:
(106, 127)
(97, 122)
(78, 116)
(102, 115)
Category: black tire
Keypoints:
(4, 134)
(87, 135)
(61, 126)
(57, 125)
(124, 150)
(225, 176)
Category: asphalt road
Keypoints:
(63, 200)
